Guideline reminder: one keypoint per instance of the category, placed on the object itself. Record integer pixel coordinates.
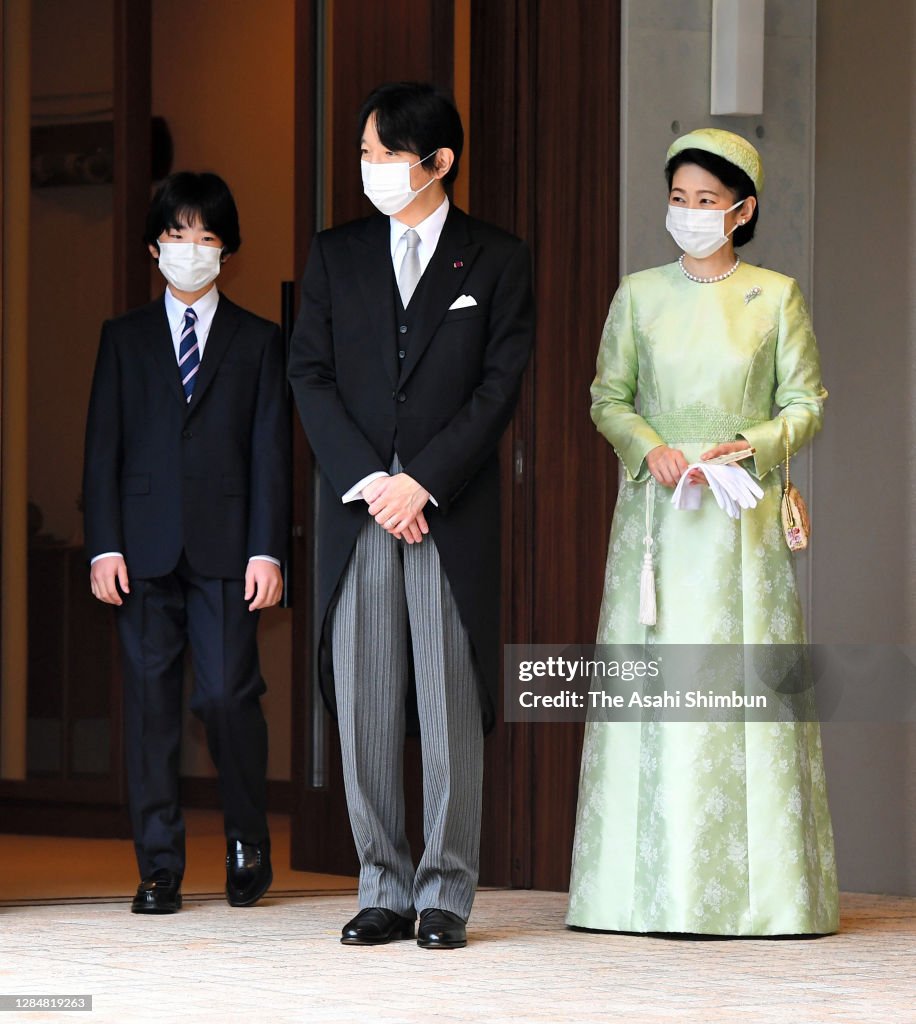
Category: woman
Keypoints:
(688, 827)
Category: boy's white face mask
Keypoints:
(187, 266)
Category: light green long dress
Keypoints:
(711, 828)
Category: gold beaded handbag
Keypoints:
(796, 523)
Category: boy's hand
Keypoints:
(104, 577)
(264, 583)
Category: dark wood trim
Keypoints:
(577, 187)
(39, 807)
(305, 142)
(87, 820)
(2, 238)
(61, 790)
(521, 625)
(132, 156)
(501, 41)
(305, 214)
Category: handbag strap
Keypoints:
(785, 431)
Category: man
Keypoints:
(185, 491)
(415, 328)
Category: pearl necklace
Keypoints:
(707, 280)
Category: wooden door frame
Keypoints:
(98, 807)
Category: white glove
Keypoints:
(743, 488)
(722, 492)
(732, 487)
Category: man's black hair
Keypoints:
(415, 117)
(732, 177)
(186, 197)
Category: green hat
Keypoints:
(733, 148)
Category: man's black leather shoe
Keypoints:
(248, 872)
(375, 926)
(158, 894)
(441, 929)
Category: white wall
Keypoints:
(842, 122)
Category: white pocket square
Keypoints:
(463, 301)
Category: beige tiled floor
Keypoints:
(281, 961)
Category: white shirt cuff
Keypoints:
(356, 491)
(254, 558)
(106, 554)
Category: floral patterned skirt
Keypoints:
(718, 828)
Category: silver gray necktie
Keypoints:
(409, 277)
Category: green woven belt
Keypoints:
(699, 423)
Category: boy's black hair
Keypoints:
(415, 117)
(185, 197)
(732, 177)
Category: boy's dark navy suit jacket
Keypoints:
(209, 478)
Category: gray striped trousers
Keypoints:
(387, 584)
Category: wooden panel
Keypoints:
(574, 469)
(320, 832)
(132, 160)
(551, 178)
(2, 276)
(400, 40)
(500, 192)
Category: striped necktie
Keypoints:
(189, 354)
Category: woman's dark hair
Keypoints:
(415, 117)
(185, 197)
(732, 177)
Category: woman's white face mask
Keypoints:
(700, 233)
(387, 185)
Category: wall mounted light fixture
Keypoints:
(736, 79)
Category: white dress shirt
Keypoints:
(205, 308)
(429, 230)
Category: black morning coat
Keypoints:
(209, 477)
(448, 400)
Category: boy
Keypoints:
(185, 492)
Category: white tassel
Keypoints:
(647, 609)
(647, 606)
